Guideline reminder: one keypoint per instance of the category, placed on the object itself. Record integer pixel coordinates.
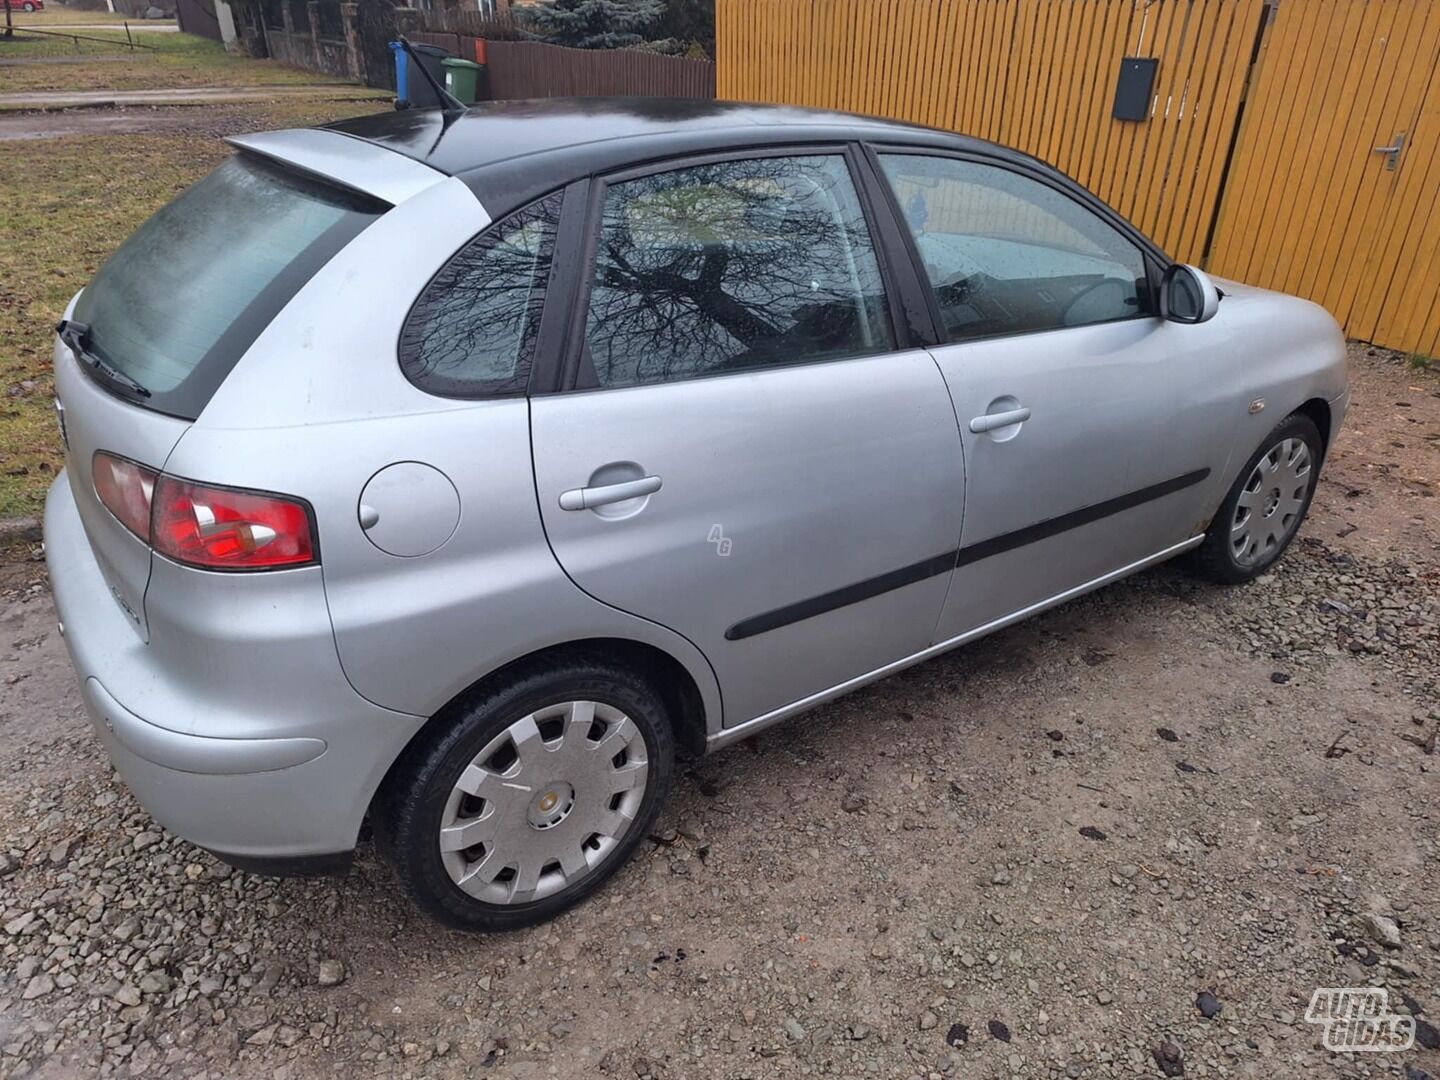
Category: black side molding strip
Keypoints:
(850, 594)
(953, 560)
(1043, 530)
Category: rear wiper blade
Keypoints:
(75, 336)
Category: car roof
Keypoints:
(513, 151)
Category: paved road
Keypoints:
(193, 95)
(157, 27)
(90, 58)
(151, 26)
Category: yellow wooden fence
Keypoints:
(1310, 206)
(1260, 166)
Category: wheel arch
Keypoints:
(671, 679)
(1318, 411)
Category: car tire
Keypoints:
(1265, 506)
(27, 6)
(525, 770)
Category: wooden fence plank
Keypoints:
(1374, 203)
(1160, 133)
(1409, 298)
(1284, 261)
(1210, 20)
(1087, 102)
(1409, 201)
(524, 69)
(1220, 129)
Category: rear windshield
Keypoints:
(179, 303)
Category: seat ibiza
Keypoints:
(456, 470)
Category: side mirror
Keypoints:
(1187, 295)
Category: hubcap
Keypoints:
(1268, 510)
(544, 802)
(552, 806)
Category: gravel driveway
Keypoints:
(1051, 854)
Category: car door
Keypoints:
(1096, 434)
(746, 450)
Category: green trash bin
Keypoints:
(461, 77)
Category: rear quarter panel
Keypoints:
(319, 405)
(96, 420)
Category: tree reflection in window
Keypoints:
(472, 332)
(730, 266)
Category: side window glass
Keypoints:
(733, 266)
(472, 332)
(1006, 254)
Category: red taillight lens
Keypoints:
(225, 529)
(212, 527)
(126, 490)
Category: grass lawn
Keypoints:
(177, 60)
(70, 202)
(55, 15)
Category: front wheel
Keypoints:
(1264, 509)
(530, 796)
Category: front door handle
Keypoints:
(991, 421)
(590, 497)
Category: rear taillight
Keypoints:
(126, 490)
(226, 529)
(215, 528)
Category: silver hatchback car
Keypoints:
(458, 470)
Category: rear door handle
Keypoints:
(591, 497)
(991, 421)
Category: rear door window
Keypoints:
(732, 266)
(181, 300)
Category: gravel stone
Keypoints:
(332, 973)
(1382, 929)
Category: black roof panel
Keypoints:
(511, 152)
(559, 128)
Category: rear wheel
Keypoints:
(531, 797)
(1264, 509)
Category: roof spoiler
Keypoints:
(344, 161)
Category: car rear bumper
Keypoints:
(234, 726)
